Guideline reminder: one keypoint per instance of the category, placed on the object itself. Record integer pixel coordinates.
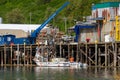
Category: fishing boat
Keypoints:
(43, 61)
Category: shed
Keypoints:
(84, 31)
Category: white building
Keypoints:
(20, 30)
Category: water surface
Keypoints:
(58, 73)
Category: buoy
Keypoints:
(71, 59)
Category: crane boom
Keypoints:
(36, 32)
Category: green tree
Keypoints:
(38, 2)
(15, 16)
(110, 0)
(12, 11)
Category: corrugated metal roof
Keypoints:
(106, 5)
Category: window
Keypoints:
(8, 38)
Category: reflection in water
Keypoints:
(58, 73)
(116, 73)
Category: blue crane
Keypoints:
(8, 39)
(36, 32)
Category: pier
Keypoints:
(94, 54)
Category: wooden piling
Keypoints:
(17, 54)
(115, 55)
(60, 49)
(89, 57)
(96, 51)
(77, 57)
(1, 58)
(99, 57)
(31, 54)
(68, 51)
(86, 53)
(105, 54)
(11, 50)
(24, 54)
(5, 55)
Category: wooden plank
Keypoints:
(88, 57)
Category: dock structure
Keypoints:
(16, 54)
(94, 54)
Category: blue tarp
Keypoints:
(80, 26)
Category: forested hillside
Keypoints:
(37, 11)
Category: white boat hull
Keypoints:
(53, 64)
(59, 64)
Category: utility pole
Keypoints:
(65, 21)
(30, 16)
